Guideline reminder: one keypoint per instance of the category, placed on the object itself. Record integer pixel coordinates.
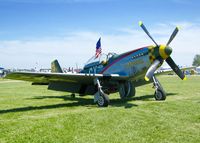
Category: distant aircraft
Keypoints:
(111, 73)
(184, 69)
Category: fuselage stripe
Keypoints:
(123, 56)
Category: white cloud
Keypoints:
(80, 46)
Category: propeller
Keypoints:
(173, 35)
(175, 68)
(147, 32)
(164, 52)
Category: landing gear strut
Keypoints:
(159, 91)
(100, 97)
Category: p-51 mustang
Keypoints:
(105, 74)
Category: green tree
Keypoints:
(196, 61)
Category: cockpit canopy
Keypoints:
(103, 58)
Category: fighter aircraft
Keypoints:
(111, 73)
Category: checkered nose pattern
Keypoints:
(161, 51)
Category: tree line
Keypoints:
(196, 60)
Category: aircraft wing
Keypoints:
(62, 77)
(168, 71)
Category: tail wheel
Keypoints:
(72, 95)
(159, 95)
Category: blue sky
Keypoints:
(36, 30)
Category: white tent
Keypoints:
(198, 69)
(1, 70)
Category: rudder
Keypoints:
(55, 67)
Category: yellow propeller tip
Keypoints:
(146, 78)
(140, 23)
(185, 78)
(178, 27)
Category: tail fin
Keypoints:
(55, 67)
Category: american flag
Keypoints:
(98, 48)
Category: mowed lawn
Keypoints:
(34, 114)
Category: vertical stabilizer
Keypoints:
(55, 67)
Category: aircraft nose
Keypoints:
(165, 51)
(168, 50)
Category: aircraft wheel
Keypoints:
(72, 95)
(102, 101)
(159, 95)
(126, 90)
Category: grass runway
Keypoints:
(34, 114)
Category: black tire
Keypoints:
(126, 90)
(159, 95)
(72, 95)
(102, 101)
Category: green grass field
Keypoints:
(34, 114)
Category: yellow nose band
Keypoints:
(162, 52)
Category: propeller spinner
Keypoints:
(164, 54)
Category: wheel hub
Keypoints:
(101, 101)
(158, 95)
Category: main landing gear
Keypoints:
(159, 91)
(100, 97)
(126, 90)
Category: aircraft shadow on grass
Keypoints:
(149, 97)
(78, 102)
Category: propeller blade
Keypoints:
(173, 35)
(146, 31)
(175, 68)
(151, 70)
